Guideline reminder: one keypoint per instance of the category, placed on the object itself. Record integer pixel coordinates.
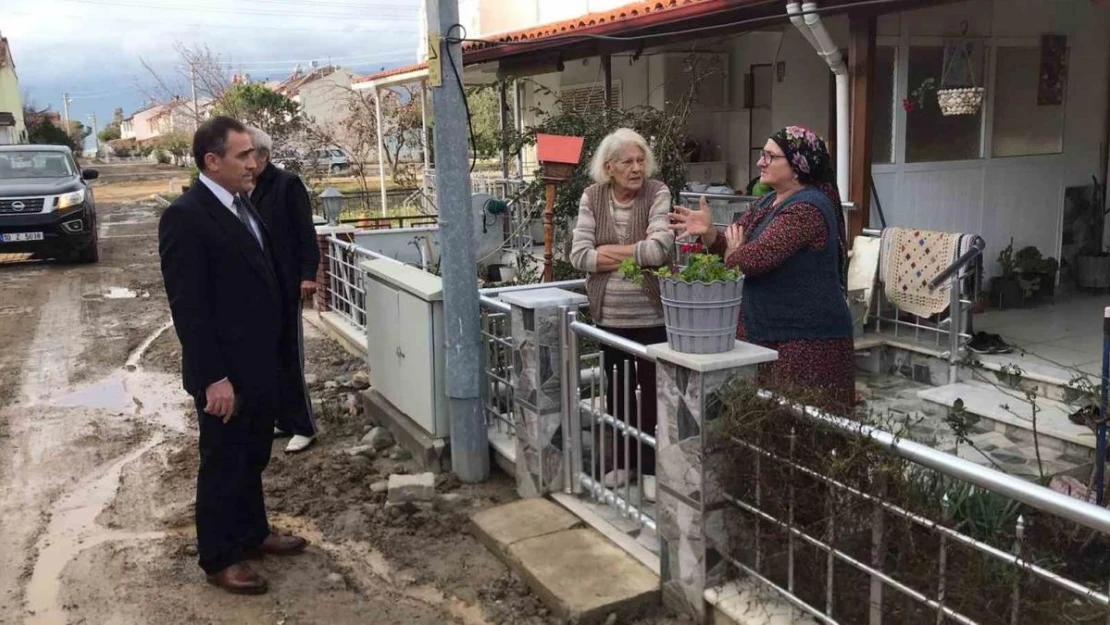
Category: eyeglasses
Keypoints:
(769, 157)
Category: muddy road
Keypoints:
(98, 464)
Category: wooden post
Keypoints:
(861, 60)
(607, 77)
(549, 232)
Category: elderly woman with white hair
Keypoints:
(625, 215)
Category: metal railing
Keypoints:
(616, 440)
(1031, 574)
(497, 351)
(345, 283)
(497, 364)
(951, 332)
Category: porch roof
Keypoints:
(396, 76)
(646, 20)
(646, 23)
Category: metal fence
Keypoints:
(497, 364)
(1025, 573)
(363, 209)
(950, 333)
(601, 447)
(595, 438)
(345, 281)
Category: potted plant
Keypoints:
(701, 302)
(1093, 264)
(1036, 273)
(1005, 287)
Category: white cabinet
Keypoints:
(404, 328)
(707, 173)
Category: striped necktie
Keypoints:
(244, 216)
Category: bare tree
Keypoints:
(357, 133)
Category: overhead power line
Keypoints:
(378, 14)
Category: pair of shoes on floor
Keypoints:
(296, 443)
(983, 343)
(241, 578)
(617, 478)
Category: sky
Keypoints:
(92, 49)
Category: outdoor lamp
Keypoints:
(333, 205)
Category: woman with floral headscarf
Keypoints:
(791, 248)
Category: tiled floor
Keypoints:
(894, 402)
(1051, 339)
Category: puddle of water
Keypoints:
(119, 292)
(73, 526)
(72, 529)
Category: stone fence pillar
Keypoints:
(322, 299)
(537, 386)
(690, 508)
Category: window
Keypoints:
(882, 105)
(1021, 126)
(931, 135)
(582, 98)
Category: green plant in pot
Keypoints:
(1006, 288)
(1036, 273)
(701, 302)
(1093, 263)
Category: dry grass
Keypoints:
(132, 190)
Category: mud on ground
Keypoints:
(98, 464)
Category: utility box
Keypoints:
(405, 342)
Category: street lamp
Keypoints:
(558, 156)
(333, 205)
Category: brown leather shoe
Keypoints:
(239, 579)
(278, 545)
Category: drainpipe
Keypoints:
(809, 24)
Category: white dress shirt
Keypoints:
(228, 200)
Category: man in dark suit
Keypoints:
(228, 311)
(283, 202)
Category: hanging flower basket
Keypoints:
(701, 303)
(962, 101)
(953, 99)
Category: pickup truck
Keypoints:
(46, 204)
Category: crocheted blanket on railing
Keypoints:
(912, 257)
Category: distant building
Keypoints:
(322, 94)
(13, 128)
(156, 120)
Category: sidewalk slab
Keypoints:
(579, 574)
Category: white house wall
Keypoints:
(1000, 198)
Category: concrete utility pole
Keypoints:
(65, 110)
(469, 438)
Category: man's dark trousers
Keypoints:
(231, 514)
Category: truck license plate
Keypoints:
(19, 237)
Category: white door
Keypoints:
(381, 343)
(416, 374)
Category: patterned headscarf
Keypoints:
(807, 154)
